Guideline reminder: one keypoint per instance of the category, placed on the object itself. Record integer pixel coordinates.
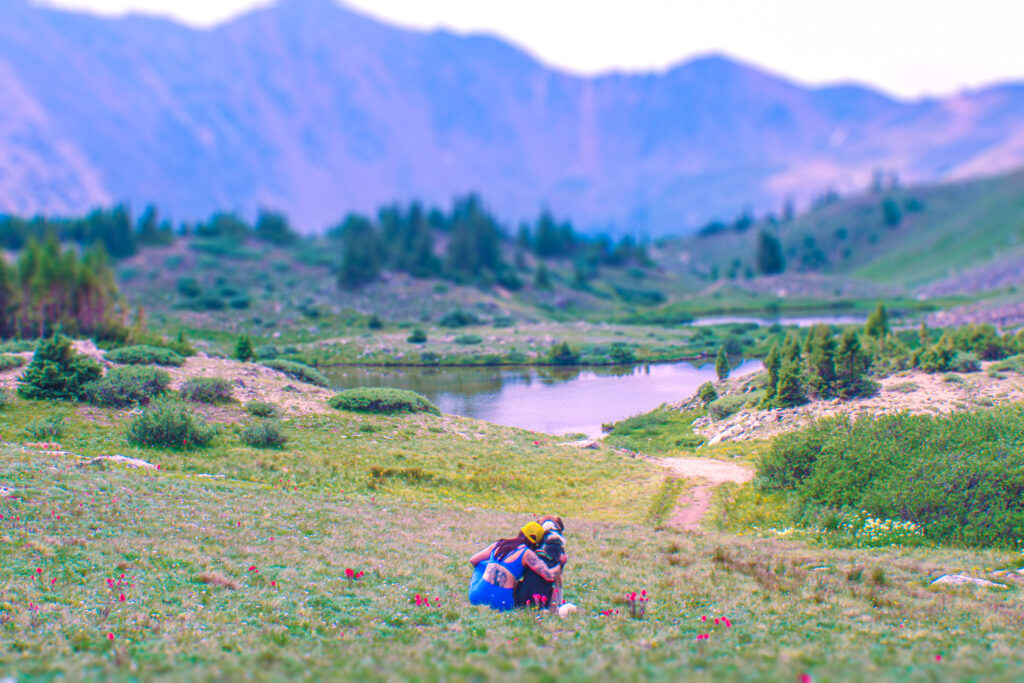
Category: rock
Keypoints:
(701, 422)
(120, 459)
(964, 580)
(566, 609)
(591, 444)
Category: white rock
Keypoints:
(120, 459)
(567, 609)
(963, 580)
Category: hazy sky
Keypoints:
(908, 47)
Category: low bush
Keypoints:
(660, 430)
(706, 393)
(725, 406)
(468, 339)
(169, 425)
(965, 361)
(957, 477)
(18, 346)
(458, 318)
(262, 409)
(127, 386)
(207, 390)
(1011, 364)
(299, 371)
(144, 355)
(382, 400)
(57, 372)
(267, 352)
(417, 336)
(262, 434)
(8, 362)
(45, 429)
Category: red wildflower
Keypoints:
(938, 658)
(53, 581)
(39, 570)
(253, 569)
(359, 574)
(110, 636)
(350, 573)
(704, 618)
(273, 583)
(806, 678)
(121, 597)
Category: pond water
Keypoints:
(546, 399)
(799, 321)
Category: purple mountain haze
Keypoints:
(316, 110)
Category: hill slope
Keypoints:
(961, 237)
(317, 110)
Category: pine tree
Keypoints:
(924, 336)
(852, 366)
(772, 363)
(790, 390)
(722, 364)
(57, 372)
(540, 277)
(821, 369)
(768, 255)
(877, 325)
(362, 253)
(243, 349)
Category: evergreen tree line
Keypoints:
(468, 244)
(48, 288)
(823, 366)
(122, 235)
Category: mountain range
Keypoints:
(316, 110)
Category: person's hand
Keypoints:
(563, 559)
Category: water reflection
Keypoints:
(801, 321)
(556, 400)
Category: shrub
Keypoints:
(418, 336)
(706, 393)
(954, 476)
(965, 361)
(262, 409)
(469, 339)
(458, 318)
(262, 434)
(374, 323)
(206, 390)
(144, 355)
(726, 405)
(57, 372)
(243, 349)
(299, 371)
(266, 352)
(169, 425)
(562, 354)
(382, 400)
(5, 398)
(8, 362)
(18, 346)
(44, 429)
(127, 386)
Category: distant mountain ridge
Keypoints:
(317, 110)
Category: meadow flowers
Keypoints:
(637, 604)
(421, 601)
(353, 574)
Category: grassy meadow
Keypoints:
(243, 574)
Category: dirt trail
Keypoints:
(710, 473)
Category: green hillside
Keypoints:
(904, 237)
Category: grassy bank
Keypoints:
(226, 578)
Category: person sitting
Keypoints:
(499, 566)
(534, 587)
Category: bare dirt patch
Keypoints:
(694, 504)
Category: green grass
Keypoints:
(793, 610)
(660, 431)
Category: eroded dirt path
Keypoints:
(708, 473)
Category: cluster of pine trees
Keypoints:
(49, 289)
(823, 367)
(468, 244)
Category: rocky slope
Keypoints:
(311, 108)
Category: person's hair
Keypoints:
(507, 545)
(552, 518)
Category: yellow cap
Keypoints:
(533, 532)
